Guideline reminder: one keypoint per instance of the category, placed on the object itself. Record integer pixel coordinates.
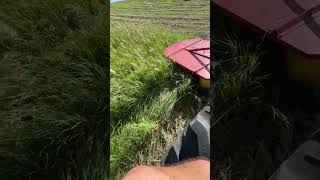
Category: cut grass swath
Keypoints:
(177, 15)
(127, 140)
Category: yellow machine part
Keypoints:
(303, 68)
(204, 83)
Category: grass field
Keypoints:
(53, 94)
(180, 16)
(148, 93)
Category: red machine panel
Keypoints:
(294, 23)
(193, 55)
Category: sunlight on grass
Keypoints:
(144, 89)
(137, 66)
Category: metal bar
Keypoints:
(192, 52)
(303, 15)
(199, 49)
(184, 48)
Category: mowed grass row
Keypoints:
(181, 16)
(145, 89)
(53, 95)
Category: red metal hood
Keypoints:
(294, 23)
(193, 55)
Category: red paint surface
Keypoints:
(293, 23)
(193, 55)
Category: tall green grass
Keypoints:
(145, 88)
(251, 133)
(133, 136)
(138, 67)
(261, 115)
(53, 94)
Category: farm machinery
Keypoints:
(294, 25)
(194, 56)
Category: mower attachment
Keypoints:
(294, 24)
(194, 56)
